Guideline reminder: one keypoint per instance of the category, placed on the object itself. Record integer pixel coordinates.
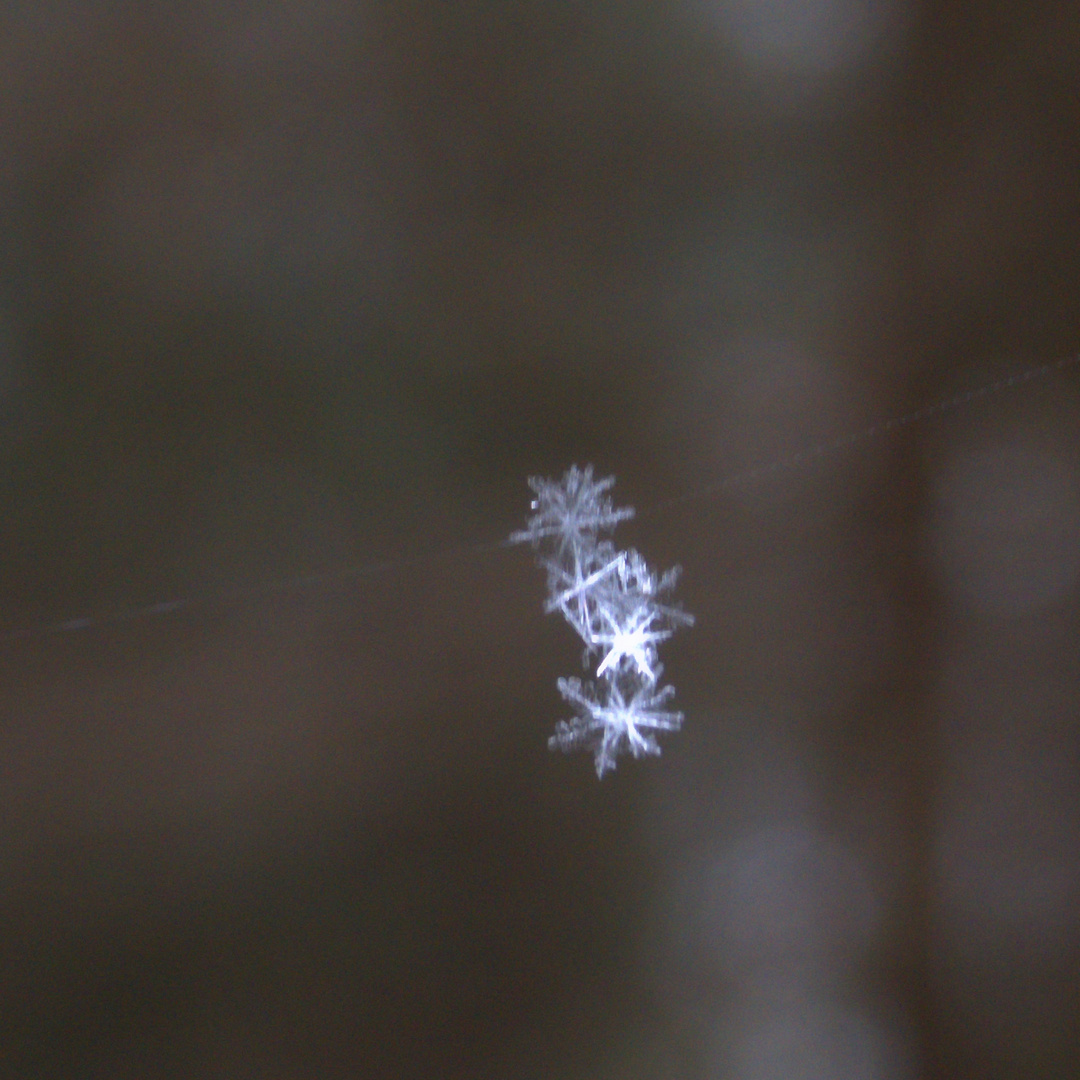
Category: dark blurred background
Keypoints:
(303, 285)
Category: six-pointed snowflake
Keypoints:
(608, 723)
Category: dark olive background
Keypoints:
(296, 287)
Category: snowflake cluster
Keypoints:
(615, 603)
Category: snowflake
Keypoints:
(633, 622)
(572, 511)
(632, 640)
(609, 724)
(611, 599)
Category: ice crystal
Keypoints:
(571, 511)
(608, 723)
(612, 600)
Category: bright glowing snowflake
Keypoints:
(611, 599)
(608, 723)
(571, 511)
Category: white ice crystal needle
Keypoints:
(611, 598)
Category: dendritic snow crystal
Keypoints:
(613, 600)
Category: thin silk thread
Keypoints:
(755, 474)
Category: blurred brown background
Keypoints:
(291, 287)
